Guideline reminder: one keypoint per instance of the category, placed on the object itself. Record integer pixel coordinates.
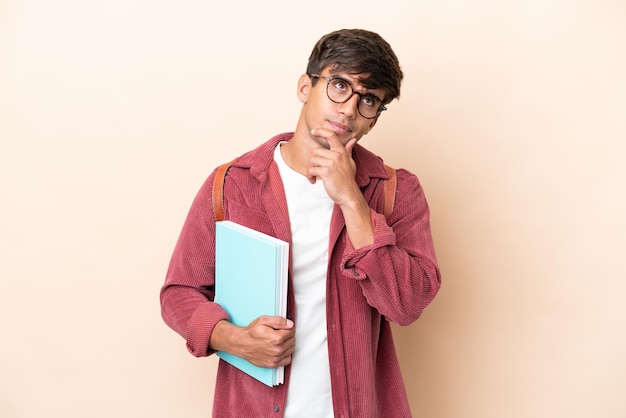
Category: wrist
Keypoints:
(359, 224)
(222, 337)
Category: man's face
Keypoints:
(343, 119)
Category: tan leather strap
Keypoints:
(218, 191)
(390, 191)
(220, 176)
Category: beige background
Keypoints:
(112, 113)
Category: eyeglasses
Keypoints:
(339, 90)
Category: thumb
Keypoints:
(349, 145)
(276, 322)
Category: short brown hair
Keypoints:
(359, 51)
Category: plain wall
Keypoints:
(112, 114)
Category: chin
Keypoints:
(324, 143)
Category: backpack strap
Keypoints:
(390, 191)
(222, 170)
(218, 191)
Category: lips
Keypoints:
(339, 127)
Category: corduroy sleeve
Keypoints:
(188, 292)
(398, 272)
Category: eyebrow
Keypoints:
(366, 91)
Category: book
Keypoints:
(251, 270)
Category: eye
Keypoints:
(340, 85)
(370, 101)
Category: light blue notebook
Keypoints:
(250, 281)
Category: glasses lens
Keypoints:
(339, 90)
(369, 106)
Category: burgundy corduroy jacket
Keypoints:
(393, 279)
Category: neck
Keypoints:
(296, 155)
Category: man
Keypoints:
(351, 269)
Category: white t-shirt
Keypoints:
(310, 209)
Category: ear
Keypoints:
(304, 86)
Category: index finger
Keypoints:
(333, 140)
(335, 143)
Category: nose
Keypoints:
(350, 107)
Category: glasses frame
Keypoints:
(380, 109)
